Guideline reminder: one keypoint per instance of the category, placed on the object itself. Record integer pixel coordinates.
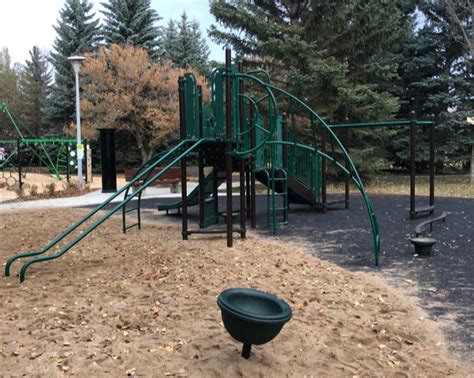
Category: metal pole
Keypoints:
(228, 148)
(284, 136)
(182, 134)
(67, 163)
(242, 161)
(202, 194)
(253, 195)
(346, 177)
(20, 181)
(80, 181)
(247, 186)
(323, 170)
(86, 176)
(412, 164)
(432, 165)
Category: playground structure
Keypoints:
(414, 211)
(251, 127)
(17, 155)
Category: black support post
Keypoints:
(228, 149)
(18, 155)
(107, 153)
(253, 195)
(182, 135)
(202, 194)
(68, 172)
(284, 137)
(346, 177)
(242, 161)
(412, 165)
(323, 170)
(432, 164)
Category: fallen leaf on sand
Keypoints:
(35, 355)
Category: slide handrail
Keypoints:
(110, 213)
(73, 227)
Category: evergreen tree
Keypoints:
(134, 23)
(184, 44)
(437, 74)
(170, 38)
(8, 93)
(342, 57)
(34, 83)
(77, 33)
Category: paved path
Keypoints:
(89, 199)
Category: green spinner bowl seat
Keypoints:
(252, 316)
(423, 245)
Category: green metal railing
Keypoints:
(310, 158)
(182, 145)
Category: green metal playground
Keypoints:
(134, 301)
(251, 127)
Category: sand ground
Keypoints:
(145, 303)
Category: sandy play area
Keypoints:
(145, 304)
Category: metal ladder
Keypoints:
(277, 175)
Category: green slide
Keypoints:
(193, 197)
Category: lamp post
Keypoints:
(76, 64)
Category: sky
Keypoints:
(26, 23)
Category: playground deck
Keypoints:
(145, 302)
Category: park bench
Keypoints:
(171, 177)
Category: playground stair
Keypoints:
(172, 156)
(276, 181)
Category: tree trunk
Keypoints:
(146, 154)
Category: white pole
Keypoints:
(79, 151)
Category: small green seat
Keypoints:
(423, 245)
(252, 316)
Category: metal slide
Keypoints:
(193, 197)
(169, 159)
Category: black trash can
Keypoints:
(107, 153)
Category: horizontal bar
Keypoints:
(236, 230)
(335, 202)
(379, 124)
(132, 225)
(27, 140)
(131, 209)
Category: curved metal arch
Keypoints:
(355, 174)
(274, 106)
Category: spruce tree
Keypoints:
(341, 57)
(35, 80)
(134, 23)
(184, 44)
(170, 38)
(436, 72)
(77, 33)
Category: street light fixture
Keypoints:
(76, 64)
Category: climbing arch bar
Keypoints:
(379, 124)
